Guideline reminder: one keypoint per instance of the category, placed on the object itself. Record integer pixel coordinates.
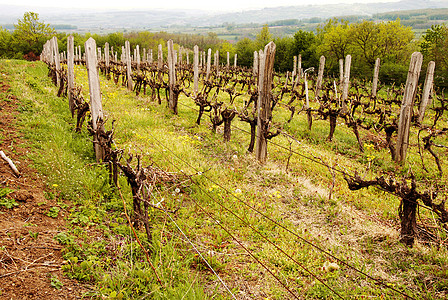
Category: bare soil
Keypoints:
(30, 257)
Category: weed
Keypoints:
(5, 201)
(53, 212)
(55, 282)
(34, 235)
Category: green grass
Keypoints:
(100, 249)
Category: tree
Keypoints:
(284, 54)
(30, 34)
(5, 43)
(245, 49)
(263, 38)
(433, 47)
(305, 44)
(335, 41)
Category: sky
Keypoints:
(212, 5)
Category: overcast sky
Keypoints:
(214, 5)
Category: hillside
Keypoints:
(220, 222)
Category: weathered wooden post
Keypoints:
(172, 102)
(320, 77)
(137, 56)
(70, 73)
(160, 63)
(426, 100)
(196, 70)
(256, 64)
(299, 66)
(294, 68)
(341, 72)
(107, 59)
(209, 61)
(376, 74)
(347, 65)
(128, 65)
(159, 57)
(228, 60)
(235, 60)
(216, 62)
(266, 74)
(96, 107)
(404, 122)
(57, 59)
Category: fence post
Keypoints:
(256, 64)
(57, 59)
(196, 70)
(235, 60)
(410, 90)
(107, 59)
(70, 73)
(348, 63)
(341, 73)
(209, 61)
(320, 76)
(299, 66)
(94, 91)
(128, 65)
(426, 101)
(172, 102)
(294, 68)
(217, 62)
(266, 74)
(376, 73)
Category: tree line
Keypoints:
(365, 41)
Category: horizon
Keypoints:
(201, 5)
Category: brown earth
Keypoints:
(30, 257)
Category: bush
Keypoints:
(393, 73)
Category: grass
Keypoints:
(217, 211)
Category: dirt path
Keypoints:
(30, 257)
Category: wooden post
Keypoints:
(172, 76)
(209, 61)
(137, 56)
(107, 59)
(426, 100)
(404, 122)
(341, 72)
(348, 63)
(235, 60)
(299, 66)
(70, 73)
(128, 65)
(94, 91)
(266, 76)
(188, 57)
(145, 57)
(228, 59)
(256, 64)
(320, 77)
(57, 59)
(376, 73)
(294, 68)
(159, 57)
(196, 70)
(217, 62)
